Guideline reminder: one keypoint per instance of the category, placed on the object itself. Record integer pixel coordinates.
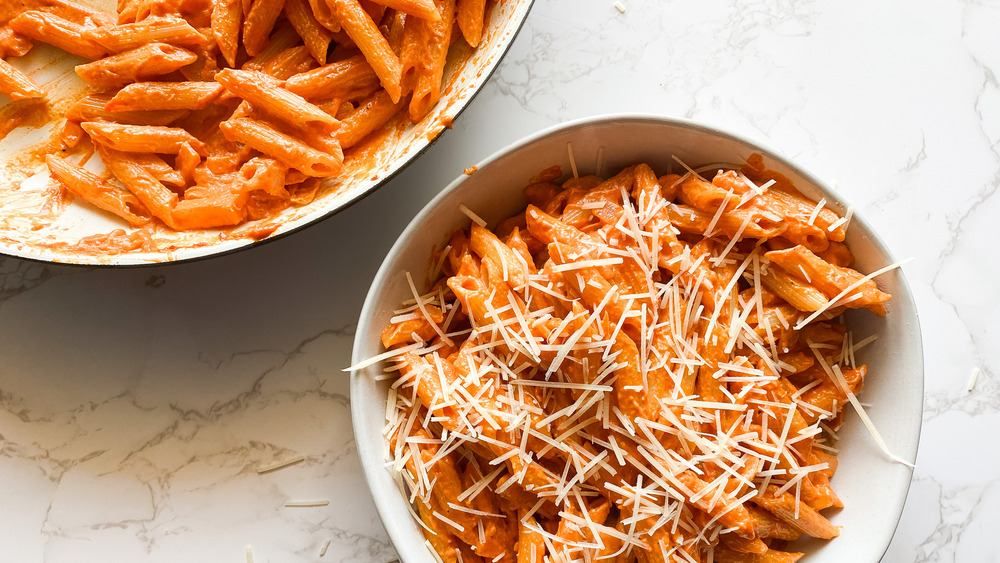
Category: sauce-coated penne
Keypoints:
(223, 86)
(632, 382)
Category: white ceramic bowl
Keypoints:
(872, 487)
(29, 229)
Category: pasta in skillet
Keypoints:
(637, 368)
(214, 112)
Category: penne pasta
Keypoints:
(161, 96)
(424, 50)
(142, 138)
(286, 149)
(13, 44)
(58, 32)
(365, 34)
(125, 37)
(424, 9)
(323, 10)
(318, 135)
(369, 116)
(264, 93)
(530, 543)
(128, 11)
(394, 31)
(209, 206)
(706, 196)
(280, 41)
(16, 85)
(799, 294)
(693, 221)
(93, 107)
(226, 23)
(289, 62)
(831, 280)
(349, 79)
(796, 514)
(87, 185)
(136, 172)
(142, 63)
(470, 16)
(258, 23)
(187, 162)
(315, 37)
(74, 11)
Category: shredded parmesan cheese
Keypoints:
(279, 464)
(838, 300)
(572, 161)
(471, 215)
(306, 503)
(972, 379)
(834, 373)
(384, 356)
(815, 212)
(646, 369)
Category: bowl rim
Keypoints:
(197, 254)
(359, 409)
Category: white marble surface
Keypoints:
(135, 405)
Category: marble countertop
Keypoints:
(136, 405)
